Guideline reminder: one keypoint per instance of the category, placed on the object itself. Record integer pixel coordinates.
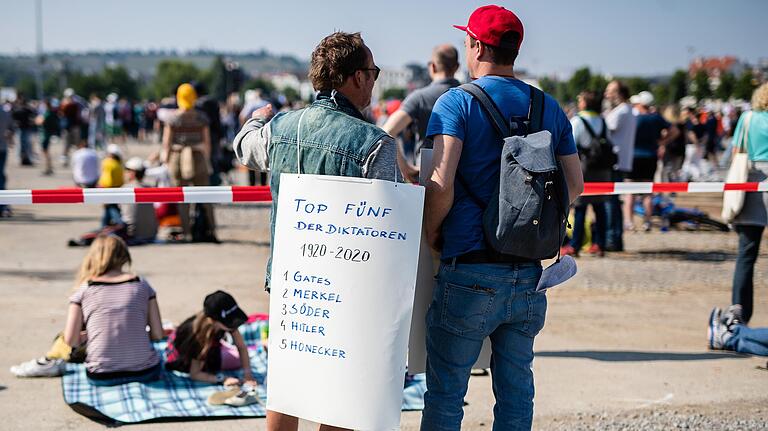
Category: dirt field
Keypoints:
(624, 345)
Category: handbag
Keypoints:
(733, 201)
(187, 163)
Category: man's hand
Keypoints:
(410, 173)
(265, 112)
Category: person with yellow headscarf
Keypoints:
(186, 150)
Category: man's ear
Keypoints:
(357, 78)
(479, 50)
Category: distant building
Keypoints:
(391, 78)
(716, 66)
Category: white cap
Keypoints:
(114, 149)
(644, 98)
(134, 164)
(69, 92)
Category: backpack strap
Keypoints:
(490, 108)
(590, 130)
(536, 110)
(535, 117)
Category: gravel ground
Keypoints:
(736, 416)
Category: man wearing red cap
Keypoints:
(481, 293)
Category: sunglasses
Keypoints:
(376, 70)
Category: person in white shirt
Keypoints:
(85, 166)
(622, 126)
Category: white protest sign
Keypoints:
(343, 274)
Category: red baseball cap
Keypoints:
(488, 23)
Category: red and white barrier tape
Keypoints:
(199, 194)
(229, 194)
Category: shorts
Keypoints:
(643, 169)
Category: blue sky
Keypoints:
(611, 36)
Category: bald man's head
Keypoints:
(446, 59)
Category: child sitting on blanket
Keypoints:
(116, 307)
(197, 347)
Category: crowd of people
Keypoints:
(608, 136)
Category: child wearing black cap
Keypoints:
(197, 347)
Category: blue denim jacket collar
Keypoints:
(335, 100)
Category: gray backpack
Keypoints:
(528, 213)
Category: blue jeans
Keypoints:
(112, 215)
(579, 220)
(743, 276)
(150, 375)
(470, 303)
(25, 145)
(3, 158)
(614, 219)
(753, 341)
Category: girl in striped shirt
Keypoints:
(116, 306)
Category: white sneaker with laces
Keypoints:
(41, 367)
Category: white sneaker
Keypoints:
(243, 398)
(41, 367)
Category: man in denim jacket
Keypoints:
(335, 138)
(481, 293)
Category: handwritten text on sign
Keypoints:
(343, 276)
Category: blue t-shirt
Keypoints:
(649, 127)
(458, 114)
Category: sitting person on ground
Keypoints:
(137, 224)
(112, 177)
(727, 332)
(115, 307)
(85, 166)
(198, 346)
(139, 219)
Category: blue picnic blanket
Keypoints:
(175, 397)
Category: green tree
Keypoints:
(678, 85)
(216, 79)
(700, 84)
(393, 93)
(548, 85)
(51, 85)
(744, 86)
(661, 92)
(597, 84)
(580, 81)
(172, 73)
(260, 83)
(563, 94)
(118, 80)
(26, 86)
(85, 85)
(725, 89)
(637, 84)
(291, 94)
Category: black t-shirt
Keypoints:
(184, 347)
(24, 117)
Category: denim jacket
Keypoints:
(335, 140)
